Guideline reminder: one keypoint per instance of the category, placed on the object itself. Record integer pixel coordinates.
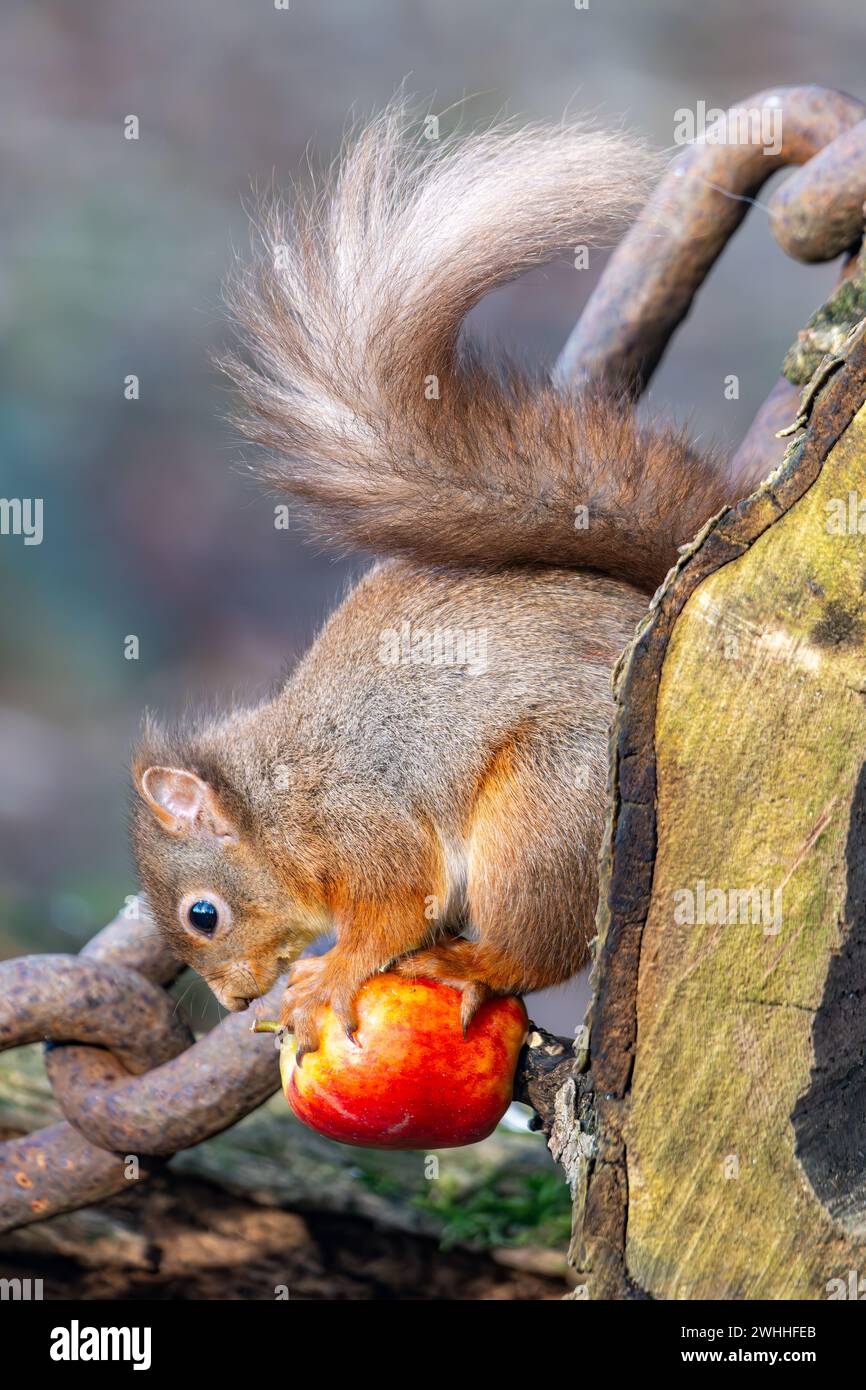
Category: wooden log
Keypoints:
(728, 1042)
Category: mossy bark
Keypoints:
(729, 1023)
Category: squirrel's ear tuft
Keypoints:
(182, 802)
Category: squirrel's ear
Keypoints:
(182, 802)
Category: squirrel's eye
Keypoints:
(203, 916)
(203, 913)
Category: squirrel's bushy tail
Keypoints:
(400, 439)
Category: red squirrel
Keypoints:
(430, 782)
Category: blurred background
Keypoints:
(113, 252)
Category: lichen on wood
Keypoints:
(830, 326)
(724, 1035)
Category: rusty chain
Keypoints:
(124, 1067)
(654, 274)
(650, 281)
(127, 1073)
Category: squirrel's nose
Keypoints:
(237, 1002)
(230, 1000)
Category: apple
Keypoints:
(411, 1080)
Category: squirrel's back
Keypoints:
(451, 659)
(398, 437)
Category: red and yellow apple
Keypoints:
(411, 1080)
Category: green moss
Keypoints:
(520, 1209)
(828, 328)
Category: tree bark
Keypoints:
(728, 1033)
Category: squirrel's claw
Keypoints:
(300, 1014)
(474, 995)
(306, 1030)
(345, 1011)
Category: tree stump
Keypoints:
(729, 1020)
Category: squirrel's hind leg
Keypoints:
(455, 962)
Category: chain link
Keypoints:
(650, 281)
(124, 1067)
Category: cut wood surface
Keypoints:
(729, 1023)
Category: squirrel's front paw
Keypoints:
(303, 1001)
(311, 988)
(304, 1023)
